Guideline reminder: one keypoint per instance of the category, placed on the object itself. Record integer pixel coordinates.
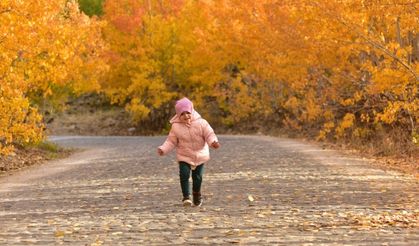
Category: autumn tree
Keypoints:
(348, 66)
(154, 56)
(348, 69)
(48, 49)
(372, 77)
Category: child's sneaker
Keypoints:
(197, 199)
(186, 202)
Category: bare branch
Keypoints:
(387, 52)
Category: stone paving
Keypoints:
(258, 191)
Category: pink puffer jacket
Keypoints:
(191, 141)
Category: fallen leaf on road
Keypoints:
(59, 234)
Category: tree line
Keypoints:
(343, 69)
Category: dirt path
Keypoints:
(258, 190)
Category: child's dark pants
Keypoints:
(184, 173)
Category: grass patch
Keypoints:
(49, 147)
(52, 150)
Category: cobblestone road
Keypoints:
(257, 190)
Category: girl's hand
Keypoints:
(215, 145)
(159, 151)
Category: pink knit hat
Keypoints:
(183, 105)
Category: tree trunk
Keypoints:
(398, 33)
(414, 41)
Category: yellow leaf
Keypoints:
(59, 233)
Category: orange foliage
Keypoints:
(46, 47)
(299, 60)
(345, 67)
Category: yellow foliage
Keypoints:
(392, 110)
(328, 115)
(347, 122)
(347, 102)
(48, 49)
(312, 110)
(155, 60)
(138, 110)
(327, 128)
(389, 80)
(311, 60)
(19, 123)
(322, 135)
(292, 103)
(357, 96)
